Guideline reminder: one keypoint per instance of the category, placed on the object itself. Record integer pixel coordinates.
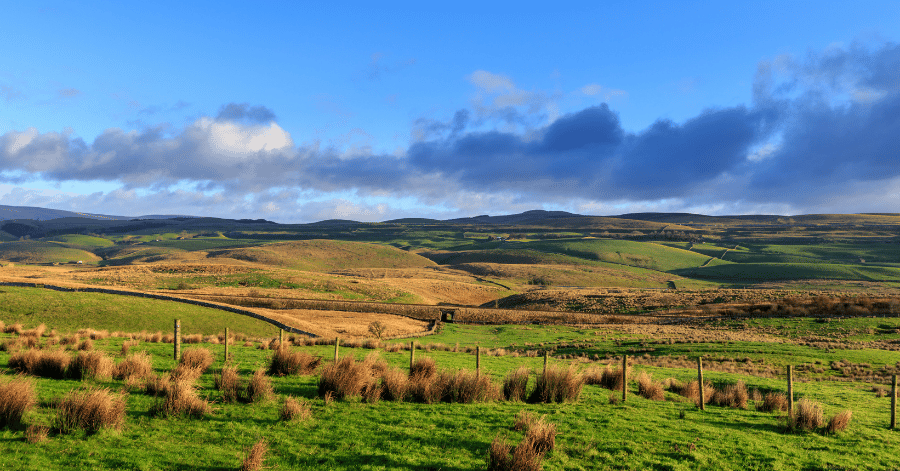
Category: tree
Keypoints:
(377, 329)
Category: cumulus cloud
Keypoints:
(245, 113)
(820, 133)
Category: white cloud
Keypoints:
(491, 83)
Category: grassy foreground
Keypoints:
(593, 433)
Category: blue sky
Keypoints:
(296, 113)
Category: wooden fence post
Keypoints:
(546, 357)
(337, 343)
(226, 345)
(700, 381)
(790, 390)
(624, 378)
(177, 340)
(412, 354)
(280, 338)
(893, 402)
(477, 360)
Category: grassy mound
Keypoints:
(68, 312)
(43, 252)
(326, 255)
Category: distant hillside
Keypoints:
(44, 214)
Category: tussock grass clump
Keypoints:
(423, 367)
(229, 382)
(13, 329)
(91, 365)
(185, 373)
(255, 456)
(36, 433)
(467, 387)
(515, 384)
(259, 388)
(17, 397)
(840, 422)
(524, 419)
(773, 402)
(126, 346)
(35, 332)
(395, 385)
(393, 347)
(807, 416)
(429, 389)
(48, 364)
(285, 362)
(732, 395)
(85, 345)
(608, 377)
(134, 367)
(294, 409)
(557, 384)
(648, 389)
(691, 391)
(90, 409)
(540, 438)
(344, 379)
(180, 399)
(196, 357)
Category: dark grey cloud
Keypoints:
(820, 129)
(245, 113)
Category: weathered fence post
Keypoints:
(177, 340)
(280, 338)
(700, 381)
(478, 361)
(226, 345)
(412, 354)
(546, 357)
(624, 378)
(893, 402)
(790, 390)
(337, 343)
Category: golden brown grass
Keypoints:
(540, 438)
(294, 409)
(255, 456)
(134, 367)
(46, 363)
(17, 396)
(515, 384)
(425, 367)
(840, 422)
(229, 382)
(807, 415)
(196, 357)
(345, 379)
(731, 395)
(649, 389)
(90, 409)
(557, 384)
(180, 399)
(395, 385)
(609, 377)
(259, 388)
(85, 345)
(773, 402)
(36, 433)
(285, 362)
(91, 365)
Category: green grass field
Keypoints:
(68, 312)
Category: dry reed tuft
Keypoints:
(807, 416)
(91, 365)
(185, 373)
(229, 382)
(515, 384)
(180, 399)
(393, 347)
(17, 397)
(255, 456)
(285, 362)
(48, 364)
(90, 409)
(85, 345)
(608, 377)
(259, 388)
(648, 389)
(423, 367)
(732, 395)
(540, 436)
(773, 402)
(293, 409)
(395, 385)
(429, 389)
(196, 357)
(839, 422)
(467, 387)
(345, 378)
(557, 384)
(524, 419)
(126, 346)
(13, 329)
(134, 367)
(36, 433)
